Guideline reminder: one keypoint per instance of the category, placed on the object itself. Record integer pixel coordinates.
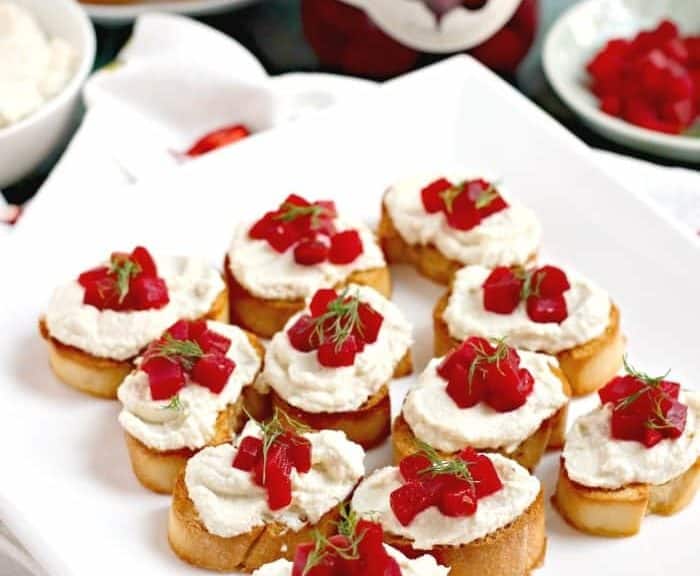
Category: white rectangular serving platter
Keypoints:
(66, 487)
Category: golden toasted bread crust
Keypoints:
(514, 550)
(369, 426)
(427, 259)
(265, 317)
(616, 513)
(587, 367)
(102, 376)
(191, 541)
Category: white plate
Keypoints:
(581, 31)
(66, 488)
(122, 13)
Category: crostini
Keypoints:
(278, 262)
(96, 325)
(239, 506)
(442, 223)
(356, 550)
(488, 396)
(192, 387)
(332, 364)
(479, 514)
(542, 309)
(636, 454)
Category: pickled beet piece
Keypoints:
(502, 291)
(102, 294)
(458, 498)
(282, 235)
(370, 322)
(551, 281)
(327, 565)
(300, 453)
(165, 377)
(250, 450)
(320, 301)
(260, 229)
(310, 252)
(147, 293)
(412, 466)
(465, 392)
(142, 257)
(336, 355)
(217, 139)
(430, 195)
(213, 371)
(302, 334)
(212, 342)
(618, 388)
(486, 476)
(180, 330)
(464, 214)
(345, 247)
(545, 310)
(508, 387)
(372, 538)
(278, 482)
(410, 500)
(628, 425)
(101, 273)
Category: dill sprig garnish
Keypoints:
(449, 195)
(275, 427)
(650, 382)
(344, 317)
(658, 420)
(318, 553)
(290, 212)
(444, 466)
(175, 404)
(187, 352)
(347, 527)
(124, 269)
(487, 196)
(484, 357)
(532, 279)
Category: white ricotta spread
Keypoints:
(431, 528)
(511, 236)
(588, 307)
(193, 286)
(594, 458)
(266, 273)
(33, 67)
(303, 382)
(435, 418)
(229, 503)
(194, 424)
(423, 566)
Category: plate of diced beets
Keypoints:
(630, 69)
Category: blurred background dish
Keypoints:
(35, 132)
(581, 32)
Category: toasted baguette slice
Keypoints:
(191, 541)
(369, 426)
(102, 376)
(616, 513)
(265, 317)
(427, 259)
(514, 550)
(587, 367)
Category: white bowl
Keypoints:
(26, 144)
(581, 32)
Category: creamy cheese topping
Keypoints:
(193, 286)
(229, 503)
(33, 67)
(435, 418)
(266, 273)
(193, 425)
(511, 236)
(422, 566)
(594, 458)
(465, 315)
(431, 528)
(302, 381)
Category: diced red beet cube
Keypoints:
(102, 294)
(430, 195)
(651, 437)
(670, 389)
(300, 453)
(370, 322)
(412, 466)
(250, 451)
(458, 498)
(310, 252)
(618, 388)
(502, 291)
(197, 327)
(100, 273)
(611, 104)
(148, 292)
(278, 482)
(212, 342)
(486, 476)
(465, 392)
(302, 334)
(411, 499)
(282, 235)
(550, 281)
(180, 330)
(217, 139)
(464, 214)
(326, 566)
(261, 228)
(675, 419)
(296, 200)
(165, 377)
(545, 310)
(336, 355)
(346, 247)
(372, 537)
(628, 425)
(508, 387)
(320, 301)
(212, 371)
(144, 260)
